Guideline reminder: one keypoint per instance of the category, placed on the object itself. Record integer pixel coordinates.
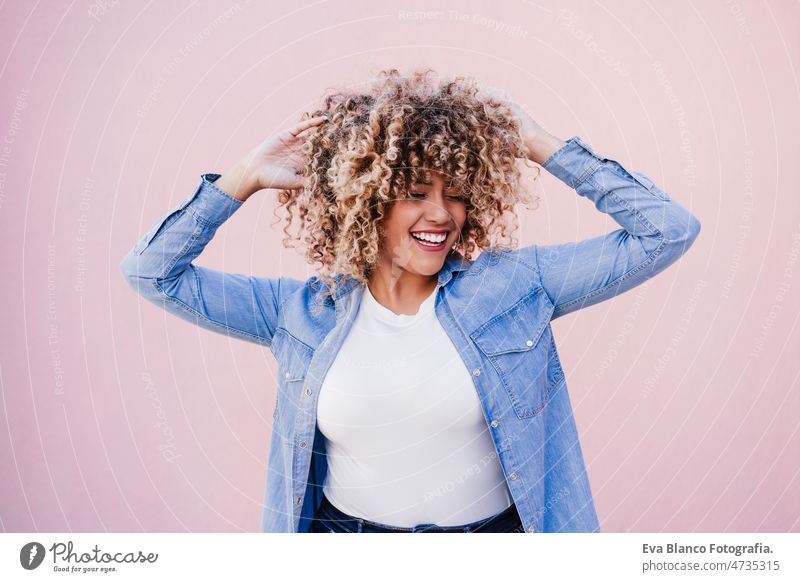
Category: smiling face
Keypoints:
(420, 230)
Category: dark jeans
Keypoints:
(330, 519)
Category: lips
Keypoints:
(430, 246)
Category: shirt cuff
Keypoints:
(209, 204)
(572, 162)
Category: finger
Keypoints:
(307, 123)
(298, 140)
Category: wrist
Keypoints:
(542, 146)
(240, 182)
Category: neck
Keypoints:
(402, 294)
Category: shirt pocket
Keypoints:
(518, 344)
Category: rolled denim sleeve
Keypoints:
(159, 268)
(656, 231)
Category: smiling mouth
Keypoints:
(431, 245)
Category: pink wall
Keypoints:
(116, 416)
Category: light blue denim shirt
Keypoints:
(496, 310)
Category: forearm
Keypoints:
(656, 231)
(174, 240)
(629, 197)
(160, 269)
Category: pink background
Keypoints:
(118, 417)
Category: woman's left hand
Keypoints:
(539, 142)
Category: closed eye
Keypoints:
(419, 195)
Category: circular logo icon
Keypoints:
(31, 555)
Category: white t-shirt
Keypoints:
(406, 438)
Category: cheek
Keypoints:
(392, 227)
(402, 218)
(460, 216)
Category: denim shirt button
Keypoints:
(302, 444)
(531, 529)
(286, 375)
(308, 391)
(513, 476)
(476, 372)
(529, 343)
(299, 499)
(494, 424)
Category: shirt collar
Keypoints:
(454, 262)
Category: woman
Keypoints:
(420, 389)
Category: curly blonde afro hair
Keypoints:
(379, 141)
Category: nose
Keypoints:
(436, 211)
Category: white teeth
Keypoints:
(435, 238)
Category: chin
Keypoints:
(429, 266)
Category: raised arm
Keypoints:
(656, 231)
(159, 267)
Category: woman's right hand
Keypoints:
(275, 163)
